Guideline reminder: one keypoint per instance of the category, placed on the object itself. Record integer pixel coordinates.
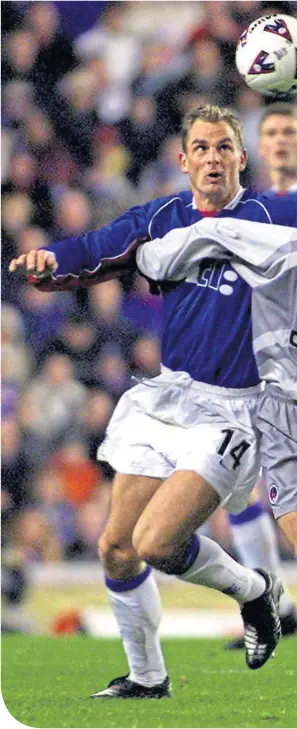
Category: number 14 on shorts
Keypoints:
(231, 451)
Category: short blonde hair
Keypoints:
(211, 113)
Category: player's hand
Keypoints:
(37, 263)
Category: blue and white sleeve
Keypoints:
(97, 255)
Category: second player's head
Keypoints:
(278, 138)
(212, 154)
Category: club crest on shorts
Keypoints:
(273, 494)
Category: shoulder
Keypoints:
(266, 208)
(166, 213)
(183, 198)
(170, 205)
(283, 210)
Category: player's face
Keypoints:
(278, 142)
(213, 161)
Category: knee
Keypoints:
(120, 561)
(103, 548)
(153, 548)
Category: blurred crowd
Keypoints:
(90, 127)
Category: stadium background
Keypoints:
(92, 98)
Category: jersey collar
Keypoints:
(232, 204)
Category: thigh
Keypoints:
(183, 502)
(288, 524)
(225, 456)
(130, 496)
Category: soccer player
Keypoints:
(278, 146)
(253, 531)
(169, 440)
(266, 257)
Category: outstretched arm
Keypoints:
(88, 259)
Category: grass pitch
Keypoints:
(46, 682)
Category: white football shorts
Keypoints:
(172, 423)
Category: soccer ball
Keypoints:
(266, 54)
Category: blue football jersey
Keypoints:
(207, 321)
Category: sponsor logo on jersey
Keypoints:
(216, 275)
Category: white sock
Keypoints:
(215, 568)
(254, 538)
(138, 614)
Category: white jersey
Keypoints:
(265, 256)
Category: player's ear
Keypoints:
(243, 160)
(183, 162)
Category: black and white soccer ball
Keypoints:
(266, 54)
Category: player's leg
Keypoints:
(253, 535)
(277, 422)
(254, 538)
(133, 592)
(164, 537)
(288, 524)
(280, 466)
(130, 495)
(133, 445)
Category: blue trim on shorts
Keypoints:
(130, 584)
(249, 514)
